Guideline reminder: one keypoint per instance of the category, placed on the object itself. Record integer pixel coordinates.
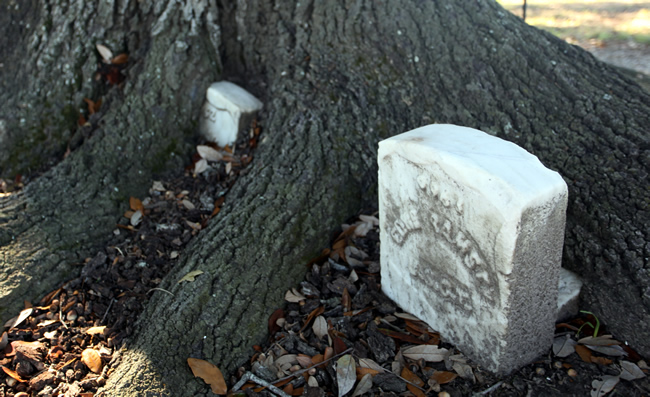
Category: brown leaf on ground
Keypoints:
(13, 374)
(209, 373)
(314, 313)
(584, 353)
(92, 359)
(361, 372)
(601, 360)
(273, 321)
(346, 300)
(136, 204)
(339, 345)
(443, 377)
(415, 380)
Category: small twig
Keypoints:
(250, 376)
(160, 289)
(489, 389)
(107, 310)
(61, 317)
(383, 320)
(315, 365)
(242, 381)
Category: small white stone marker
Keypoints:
(568, 295)
(472, 229)
(227, 109)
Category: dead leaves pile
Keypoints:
(69, 343)
(48, 363)
(601, 350)
(339, 335)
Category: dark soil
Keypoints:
(67, 343)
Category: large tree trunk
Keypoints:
(336, 77)
(49, 65)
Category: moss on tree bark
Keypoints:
(335, 78)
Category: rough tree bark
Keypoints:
(336, 77)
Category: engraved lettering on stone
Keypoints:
(468, 289)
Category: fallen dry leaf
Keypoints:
(602, 340)
(563, 346)
(46, 323)
(208, 153)
(120, 59)
(304, 360)
(364, 385)
(4, 339)
(12, 373)
(369, 363)
(105, 53)
(96, 330)
(320, 327)
(443, 377)
(631, 371)
(406, 316)
(346, 374)
(614, 351)
(209, 373)
(136, 218)
(136, 204)
(604, 386)
(92, 359)
(273, 321)
(293, 296)
(14, 322)
(601, 360)
(584, 353)
(189, 277)
(415, 380)
(314, 313)
(200, 166)
(430, 353)
(464, 370)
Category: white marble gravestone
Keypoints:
(226, 111)
(472, 229)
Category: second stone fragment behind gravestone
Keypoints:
(472, 229)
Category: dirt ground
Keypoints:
(617, 32)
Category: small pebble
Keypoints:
(557, 365)
(444, 394)
(572, 373)
(540, 371)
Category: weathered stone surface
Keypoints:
(472, 233)
(226, 110)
